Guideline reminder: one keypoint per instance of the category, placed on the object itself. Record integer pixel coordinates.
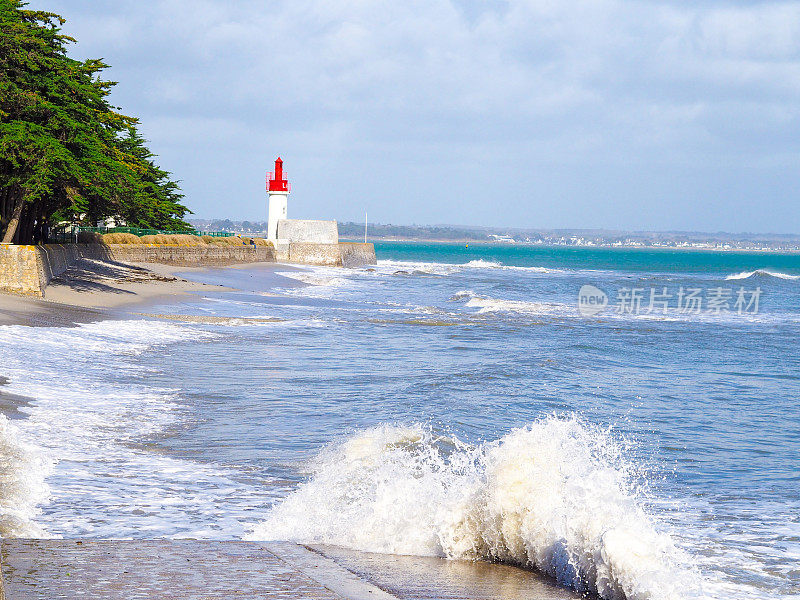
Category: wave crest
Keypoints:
(483, 264)
(555, 495)
(394, 267)
(487, 304)
(762, 273)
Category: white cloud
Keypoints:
(573, 84)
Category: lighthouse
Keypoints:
(306, 241)
(278, 190)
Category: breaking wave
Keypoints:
(463, 295)
(23, 470)
(483, 264)
(762, 273)
(490, 264)
(556, 496)
(487, 304)
(431, 268)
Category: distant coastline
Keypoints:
(743, 250)
(577, 238)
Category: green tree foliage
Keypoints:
(64, 150)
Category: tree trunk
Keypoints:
(5, 198)
(39, 229)
(28, 221)
(13, 223)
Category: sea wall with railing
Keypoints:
(71, 234)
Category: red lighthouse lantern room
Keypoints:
(276, 181)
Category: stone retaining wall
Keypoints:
(192, 256)
(19, 272)
(27, 270)
(342, 254)
(314, 254)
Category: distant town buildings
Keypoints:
(580, 238)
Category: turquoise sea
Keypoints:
(450, 401)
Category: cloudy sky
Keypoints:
(629, 114)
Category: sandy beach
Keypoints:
(93, 290)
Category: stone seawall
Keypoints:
(343, 254)
(19, 270)
(192, 256)
(354, 254)
(27, 270)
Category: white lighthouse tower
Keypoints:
(278, 190)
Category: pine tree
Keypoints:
(64, 150)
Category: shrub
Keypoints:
(121, 238)
(179, 239)
(89, 237)
(226, 241)
(183, 239)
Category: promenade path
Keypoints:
(211, 570)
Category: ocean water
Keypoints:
(450, 401)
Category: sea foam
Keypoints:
(75, 465)
(556, 496)
(23, 469)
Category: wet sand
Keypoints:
(101, 284)
(254, 277)
(10, 404)
(35, 312)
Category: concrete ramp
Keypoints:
(168, 570)
(207, 570)
(430, 578)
